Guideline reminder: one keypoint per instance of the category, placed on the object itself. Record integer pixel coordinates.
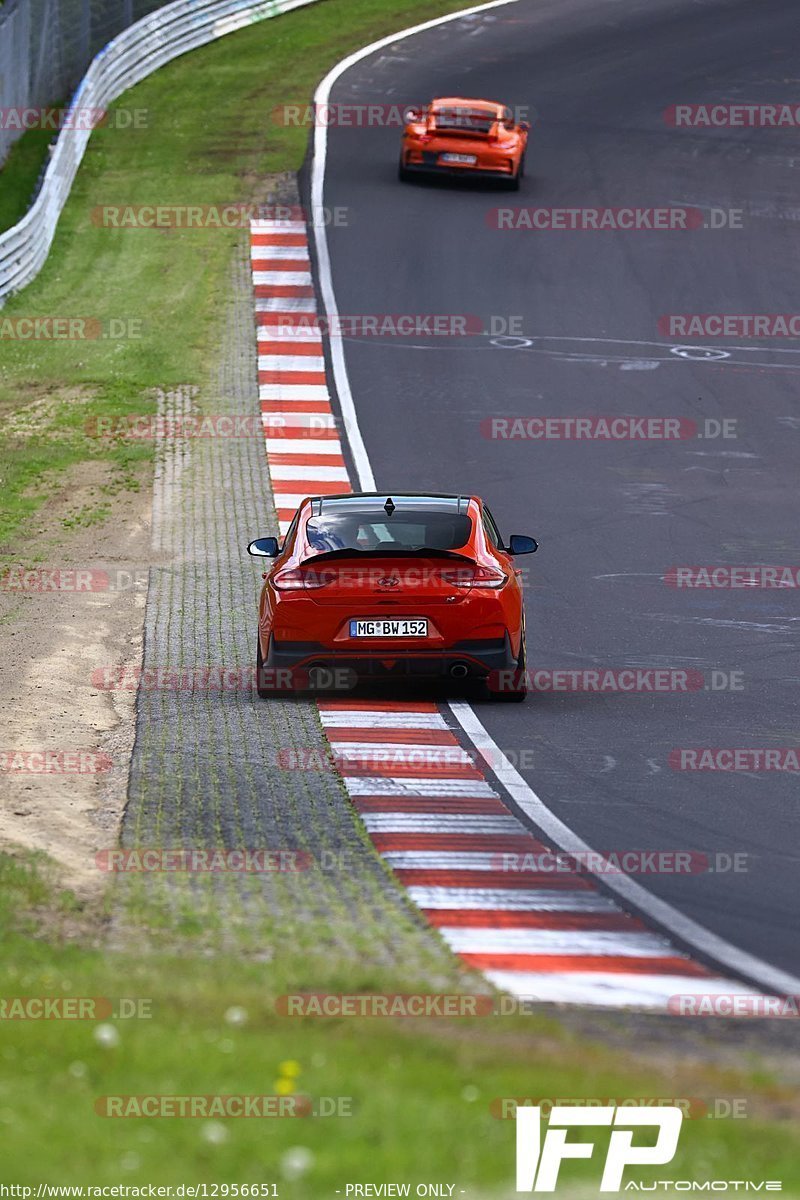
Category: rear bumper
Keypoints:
(479, 657)
(456, 172)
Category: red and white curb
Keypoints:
(303, 448)
(436, 819)
(427, 803)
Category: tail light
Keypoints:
(296, 580)
(488, 577)
(476, 576)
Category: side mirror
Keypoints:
(412, 114)
(525, 126)
(264, 547)
(518, 543)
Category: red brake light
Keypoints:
(475, 576)
(296, 580)
(489, 577)
(288, 581)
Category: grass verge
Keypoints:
(411, 1098)
(19, 173)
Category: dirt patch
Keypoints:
(38, 415)
(80, 607)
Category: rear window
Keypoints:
(404, 530)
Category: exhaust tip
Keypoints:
(459, 671)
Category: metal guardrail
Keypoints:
(130, 57)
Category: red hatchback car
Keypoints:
(454, 136)
(392, 587)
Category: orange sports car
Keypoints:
(392, 587)
(454, 136)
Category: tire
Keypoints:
(512, 184)
(517, 694)
(264, 691)
(402, 174)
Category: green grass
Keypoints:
(19, 173)
(34, 460)
(419, 1090)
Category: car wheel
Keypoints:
(512, 184)
(518, 693)
(264, 690)
(402, 174)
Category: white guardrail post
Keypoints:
(130, 57)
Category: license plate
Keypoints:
(405, 627)
(467, 159)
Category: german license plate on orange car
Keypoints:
(467, 159)
(404, 627)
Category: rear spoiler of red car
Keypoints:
(324, 555)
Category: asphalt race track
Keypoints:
(611, 517)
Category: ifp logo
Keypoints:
(539, 1160)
